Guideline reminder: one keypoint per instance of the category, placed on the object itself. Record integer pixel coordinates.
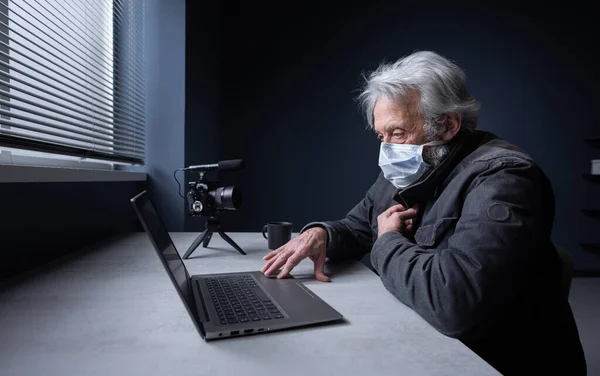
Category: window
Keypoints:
(72, 79)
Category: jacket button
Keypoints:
(498, 212)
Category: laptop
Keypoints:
(233, 304)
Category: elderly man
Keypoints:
(458, 224)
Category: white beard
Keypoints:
(434, 155)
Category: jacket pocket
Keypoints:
(430, 235)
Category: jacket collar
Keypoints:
(463, 144)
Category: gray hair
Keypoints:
(440, 83)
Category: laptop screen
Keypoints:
(165, 248)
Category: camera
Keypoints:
(206, 199)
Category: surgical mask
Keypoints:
(403, 164)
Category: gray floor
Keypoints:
(585, 302)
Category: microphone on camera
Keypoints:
(233, 164)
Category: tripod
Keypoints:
(212, 225)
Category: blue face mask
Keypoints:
(402, 164)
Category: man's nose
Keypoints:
(387, 138)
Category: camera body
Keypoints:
(208, 198)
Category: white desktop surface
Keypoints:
(112, 310)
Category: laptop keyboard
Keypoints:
(239, 299)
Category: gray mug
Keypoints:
(277, 233)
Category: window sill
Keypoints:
(38, 174)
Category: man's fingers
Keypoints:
(278, 262)
(320, 268)
(291, 262)
(407, 214)
(393, 209)
(271, 257)
(272, 254)
(285, 271)
(268, 264)
(289, 265)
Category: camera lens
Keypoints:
(228, 198)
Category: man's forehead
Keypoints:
(388, 115)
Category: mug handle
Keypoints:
(264, 231)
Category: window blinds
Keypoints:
(72, 77)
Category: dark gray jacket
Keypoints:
(479, 265)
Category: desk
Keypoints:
(111, 310)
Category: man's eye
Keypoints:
(398, 135)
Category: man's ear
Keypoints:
(453, 123)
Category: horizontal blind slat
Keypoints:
(79, 127)
(45, 145)
(126, 122)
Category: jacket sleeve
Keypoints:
(463, 288)
(350, 237)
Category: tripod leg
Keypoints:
(195, 244)
(231, 242)
(207, 238)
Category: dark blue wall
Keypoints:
(202, 92)
(292, 75)
(165, 106)
(182, 101)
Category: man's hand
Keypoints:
(311, 243)
(397, 219)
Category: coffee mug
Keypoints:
(277, 233)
